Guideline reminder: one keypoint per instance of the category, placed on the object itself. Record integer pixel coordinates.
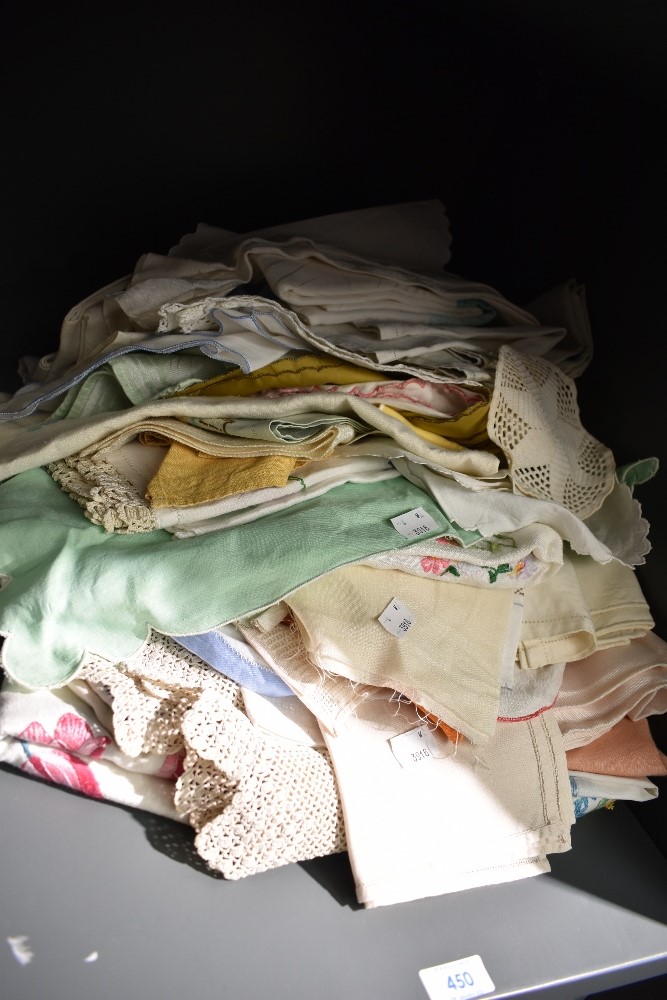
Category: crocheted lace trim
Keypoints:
(107, 497)
(534, 418)
(255, 802)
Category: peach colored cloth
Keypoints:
(627, 750)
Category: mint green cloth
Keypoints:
(75, 588)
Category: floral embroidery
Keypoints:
(450, 540)
(432, 564)
(61, 768)
(495, 571)
(71, 733)
(495, 542)
(172, 766)
(55, 757)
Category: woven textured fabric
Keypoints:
(332, 699)
(534, 418)
(255, 802)
(449, 659)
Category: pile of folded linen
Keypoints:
(299, 533)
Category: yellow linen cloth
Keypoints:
(187, 477)
(306, 369)
(467, 430)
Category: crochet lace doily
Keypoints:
(255, 802)
(107, 497)
(534, 418)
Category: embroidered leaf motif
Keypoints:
(495, 571)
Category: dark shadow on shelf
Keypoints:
(334, 874)
(614, 859)
(174, 840)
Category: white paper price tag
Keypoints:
(461, 980)
(396, 618)
(413, 747)
(414, 523)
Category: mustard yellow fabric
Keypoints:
(306, 369)
(468, 428)
(187, 477)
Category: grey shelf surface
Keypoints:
(79, 877)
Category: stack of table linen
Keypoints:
(302, 539)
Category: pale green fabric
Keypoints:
(132, 379)
(76, 588)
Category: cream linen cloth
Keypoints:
(449, 661)
(583, 607)
(414, 234)
(42, 443)
(454, 821)
(599, 691)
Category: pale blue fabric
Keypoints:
(213, 648)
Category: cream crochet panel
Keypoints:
(534, 418)
(255, 802)
(107, 497)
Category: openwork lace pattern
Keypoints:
(534, 418)
(255, 801)
(106, 496)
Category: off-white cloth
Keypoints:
(566, 306)
(599, 691)
(413, 234)
(585, 606)
(616, 531)
(454, 821)
(282, 718)
(449, 661)
(612, 787)
(527, 693)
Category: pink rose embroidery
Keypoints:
(172, 766)
(431, 564)
(449, 540)
(71, 733)
(62, 769)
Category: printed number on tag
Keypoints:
(414, 523)
(461, 980)
(413, 747)
(396, 618)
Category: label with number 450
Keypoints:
(461, 980)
